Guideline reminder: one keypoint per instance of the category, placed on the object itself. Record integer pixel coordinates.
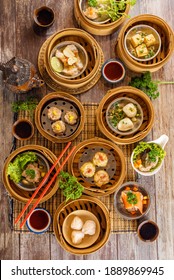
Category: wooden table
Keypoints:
(18, 39)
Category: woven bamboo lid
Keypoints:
(148, 114)
(65, 102)
(88, 203)
(23, 195)
(98, 29)
(116, 167)
(167, 44)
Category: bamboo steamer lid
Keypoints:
(91, 204)
(22, 195)
(69, 102)
(167, 44)
(98, 29)
(85, 151)
(148, 114)
(92, 48)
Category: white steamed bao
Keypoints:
(130, 110)
(77, 223)
(77, 236)
(125, 124)
(89, 227)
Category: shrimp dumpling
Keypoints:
(101, 178)
(77, 236)
(125, 124)
(54, 113)
(130, 110)
(100, 159)
(89, 227)
(91, 13)
(88, 169)
(77, 223)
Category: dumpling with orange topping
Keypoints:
(54, 113)
(100, 159)
(71, 117)
(88, 169)
(58, 127)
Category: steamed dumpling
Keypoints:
(88, 169)
(89, 227)
(77, 223)
(130, 110)
(100, 159)
(54, 113)
(77, 236)
(71, 117)
(125, 124)
(101, 178)
(58, 127)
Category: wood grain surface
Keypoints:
(17, 38)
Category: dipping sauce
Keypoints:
(113, 71)
(148, 231)
(44, 16)
(39, 220)
(23, 129)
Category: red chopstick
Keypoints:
(47, 187)
(42, 183)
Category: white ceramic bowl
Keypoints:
(142, 27)
(39, 221)
(161, 141)
(115, 69)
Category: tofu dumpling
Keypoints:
(101, 178)
(54, 113)
(141, 50)
(136, 40)
(130, 110)
(71, 117)
(125, 124)
(58, 127)
(77, 223)
(100, 159)
(88, 169)
(150, 40)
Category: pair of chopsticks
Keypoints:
(42, 183)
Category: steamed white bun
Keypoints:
(89, 227)
(77, 236)
(77, 223)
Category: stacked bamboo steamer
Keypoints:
(95, 206)
(23, 195)
(167, 44)
(95, 28)
(95, 60)
(148, 114)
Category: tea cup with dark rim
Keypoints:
(23, 129)
(113, 71)
(43, 19)
(148, 231)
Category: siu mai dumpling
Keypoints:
(125, 124)
(71, 117)
(88, 169)
(54, 113)
(130, 110)
(100, 159)
(101, 178)
(58, 127)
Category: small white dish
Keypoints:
(161, 141)
(39, 221)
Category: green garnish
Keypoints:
(72, 189)
(132, 198)
(113, 8)
(30, 173)
(16, 167)
(147, 85)
(28, 105)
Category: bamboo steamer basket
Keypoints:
(94, 28)
(148, 114)
(92, 48)
(167, 44)
(23, 195)
(88, 203)
(68, 101)
(116, 170)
